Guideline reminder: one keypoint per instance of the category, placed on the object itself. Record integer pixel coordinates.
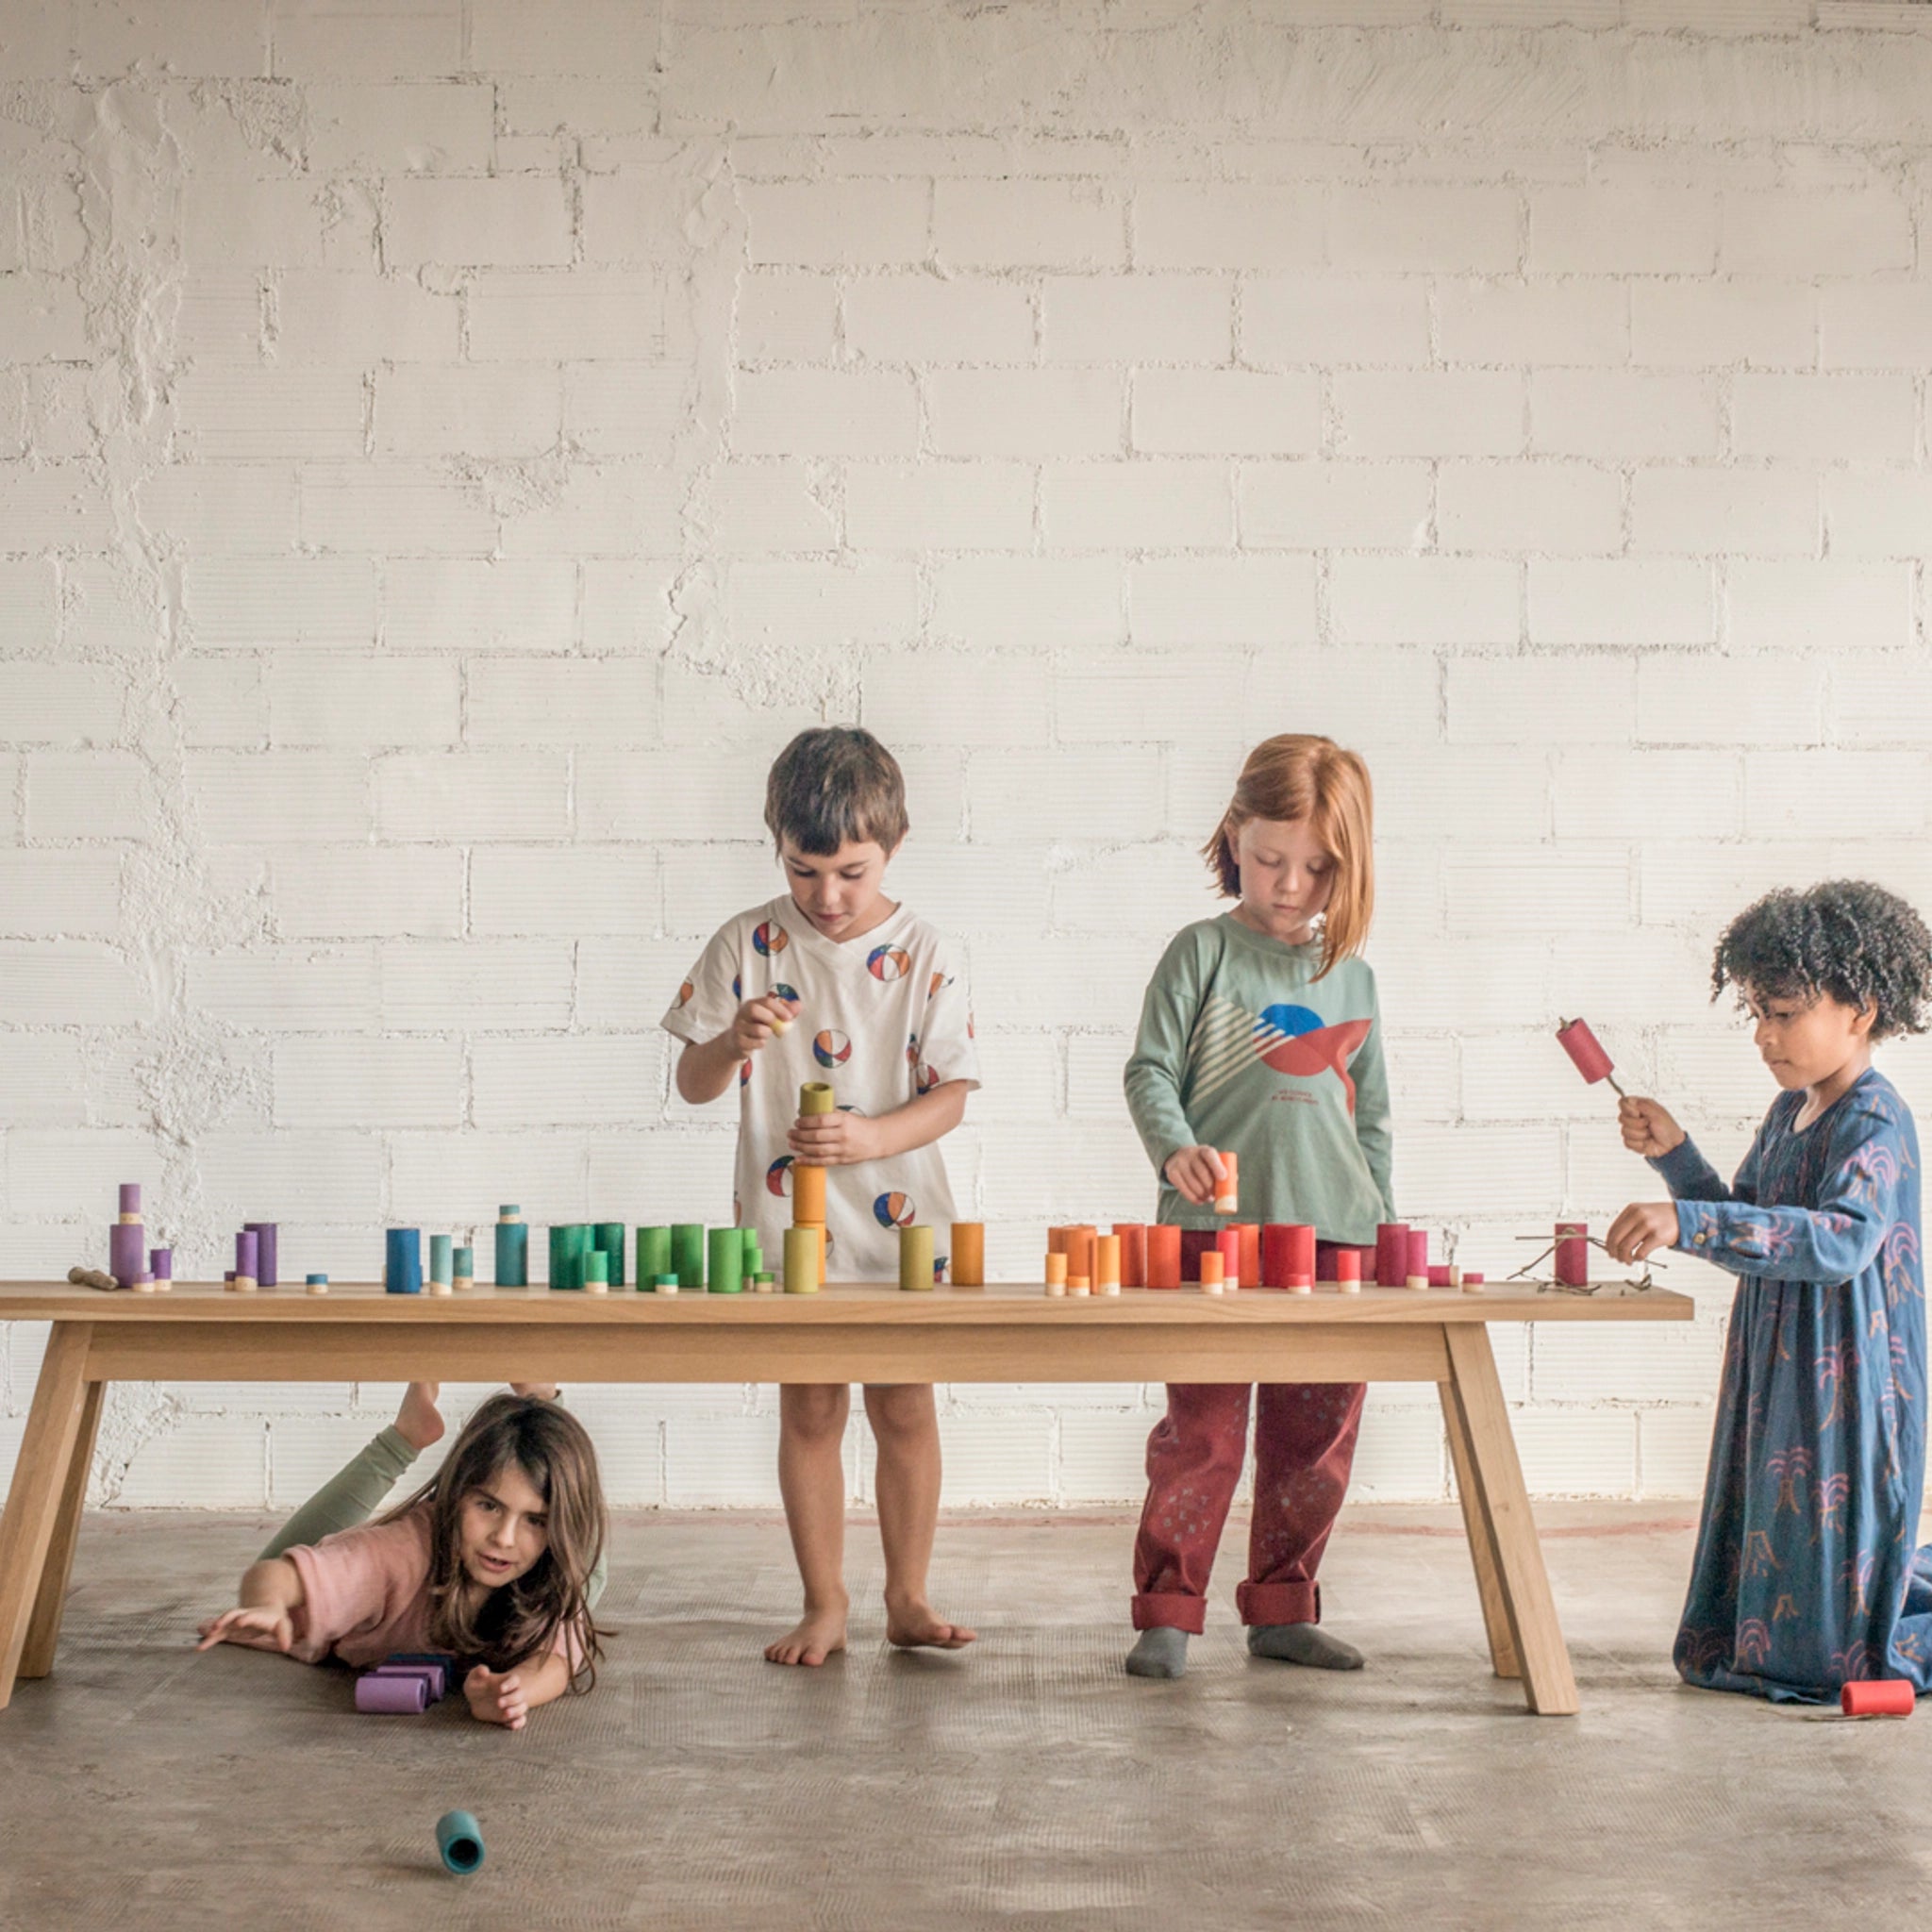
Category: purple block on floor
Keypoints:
(430, 1675)
(160, 1263)
(440, 1661)
(399, 1696)
(264, 1233)
(127, 1252)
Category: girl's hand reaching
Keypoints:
(1642, 1228)
(497, 1699)
(1648, 1128)
(761, 1021)
(1193, 1173)
(257, 1627)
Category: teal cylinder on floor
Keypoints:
(458, 1843)
(727, 1260)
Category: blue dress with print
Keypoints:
(1806, 1572)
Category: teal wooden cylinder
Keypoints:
(459, 1843)
(596, 1267)
(441, 1257)
(609, 1237)
(568, 1244)
(727, 1260)
(513, 1247)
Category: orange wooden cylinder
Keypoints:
(1107, 1260)
(1057, 1240)
(1057, 1270)
(1227, 1190)
(1079, 1253)
(1163, 1256)
(968, 1254)
(808, 1195)
(1250, 1233)
(1212, 1272)
(1132, 1236)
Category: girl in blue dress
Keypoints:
(1807, 1574)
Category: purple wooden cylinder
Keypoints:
(246, 1255)
(264, 1233)
(160, 1263)
(130, 1197)
(405, 1696)
(434, 1683)
(126, 1250)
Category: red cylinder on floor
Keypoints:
(1163, 1257)
(1878, 1697)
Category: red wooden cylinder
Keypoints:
(1133, 1240)
(1580, 1043)
(1163, 1257)
(1301, 1250)
(1573, 1254)
(1250, 1232)
(1348, 1264)
(1391, 1254)
(1275, 1245)
(1228, 1244)
(1419, 1253)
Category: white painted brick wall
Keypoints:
(429, 497)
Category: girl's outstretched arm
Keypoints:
(265, 1619)
(507, 1697)
(1839, 1237)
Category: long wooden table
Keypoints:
(862, 1332)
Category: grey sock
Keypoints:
(1158, 1654)
(1302, 1643)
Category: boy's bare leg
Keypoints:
(811, 1478)
(906, 1424)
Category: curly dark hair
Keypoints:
(1849, 939)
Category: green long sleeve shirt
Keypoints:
(1243, 1049)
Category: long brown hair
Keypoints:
(521, 1619)
(1298, 775)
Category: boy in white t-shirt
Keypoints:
(881, 1014)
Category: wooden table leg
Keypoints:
(1489, 1582)
(1503, 1502)
(40, 1481)
(44, 1627)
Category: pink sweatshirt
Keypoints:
(365, 1593)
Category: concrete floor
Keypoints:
(1025, 1783)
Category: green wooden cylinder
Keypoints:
(442, 1257)
(687, 1253)
(568, 1245)
(654, 1255)
(608, 1236)
(596, 1267)
(915, 1261)
(727, 1260)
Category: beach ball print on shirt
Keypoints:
(831, 1048)
(770, 937)
(888, 963)
(779, 1176)
(685, 991)
(895, 1210)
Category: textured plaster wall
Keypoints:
(446, 446)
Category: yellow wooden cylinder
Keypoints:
(802, 1259)
(816, 1096)
(915, 1259)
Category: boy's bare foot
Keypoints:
(818, 1636)
(916, 1625)
(546, 1389)
(419, 1422)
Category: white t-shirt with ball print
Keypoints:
(884, 1018)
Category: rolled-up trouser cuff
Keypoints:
(1279, 1602)
(1171, 1611)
